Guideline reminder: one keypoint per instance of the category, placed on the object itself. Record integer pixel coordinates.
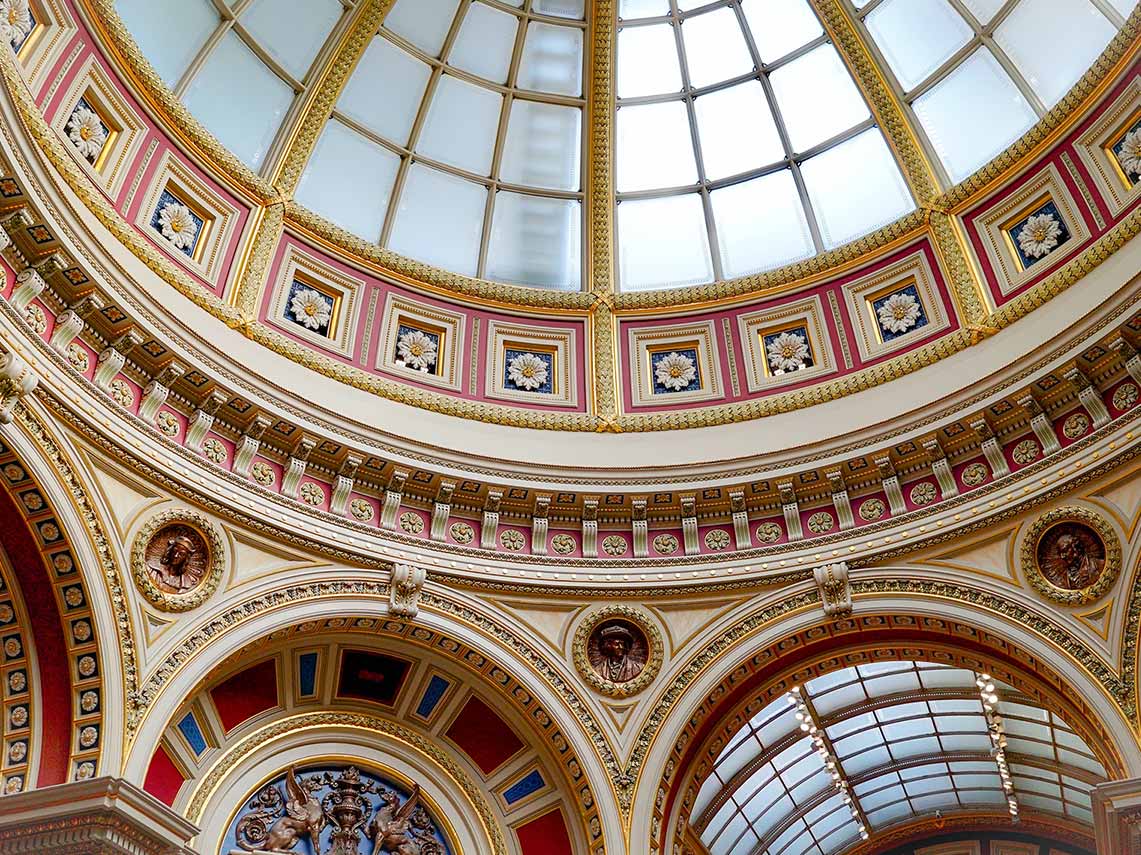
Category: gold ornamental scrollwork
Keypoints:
(177, 560)
(618, 650)
(1071, 555)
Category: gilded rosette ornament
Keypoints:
(177, 560)
(1071, 555)
(617, 650)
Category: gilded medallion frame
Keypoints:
(654, 650)
(1028, 555)
(215, 560)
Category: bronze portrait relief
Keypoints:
(1071, 555)
(177, 559)
(618, 650)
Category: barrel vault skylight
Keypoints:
(867, 747)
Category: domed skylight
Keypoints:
(741, 140)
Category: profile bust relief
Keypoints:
(618, 650)
(176, 559)
(1071, 555)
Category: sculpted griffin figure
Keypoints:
(304, 816)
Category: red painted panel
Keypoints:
(34, 582)
(246, 694)
(163, 778)
(486, 738)
(545, 835)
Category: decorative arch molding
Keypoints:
(764, 653)
(51, 563)
(477, 644)
(349, 737)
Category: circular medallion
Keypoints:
(177, 560)
(617, 650)
(1071, 555)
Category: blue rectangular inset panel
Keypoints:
(529, 783)
(193, 733)
(307, 672)
(436, 688)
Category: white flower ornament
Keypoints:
(787, 352)
(416, 349)
(1130, 155)
(177, 225)
(1040, 235)
(898, 313)
(86, 131)
(675, 371)
(310, 309)
(527, 371)
(15, 20)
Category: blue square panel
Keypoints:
(899, 313)
(1039, 234)
(531, 371)
(432, 695)
(675, 371)
(193, 733)
(309, 308)
(307, 674)
(177, 223)
(532, 782)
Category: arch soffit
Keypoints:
(477, 644)
(59, 533)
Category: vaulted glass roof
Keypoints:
(741, 140)
(861, 749)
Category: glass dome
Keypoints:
(742, 141)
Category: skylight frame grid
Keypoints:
(982, 37)
(792, 159)
(230, 20)
(508, 91)
(875, 704)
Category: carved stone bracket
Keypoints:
(404, 593)
(16, 381)
(835, 590)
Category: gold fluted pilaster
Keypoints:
(965, 287)
(600, 207)
(253, 276)
(889, 112)
(323, 95)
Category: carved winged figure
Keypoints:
(303, 816)
(398, 829)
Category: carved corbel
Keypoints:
(343, 484)
(590, 526)
(442, 511)
(114, 357)
(941, 467)
(490, 526)
(1040, 423)
(203, 418)
(1089, 395)
(791, 509)
(298, 461)
(689, 524)
(1130, 355)
(156, 392)
(740, 519)
(991, 448)
(16, 381)
(835, 590)
(393, 496)
(889, 478)
(404, 591)
(641, 527)
(249, 444)
(840, 500)
(539, 525)
(29, 285)
(70, 322)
